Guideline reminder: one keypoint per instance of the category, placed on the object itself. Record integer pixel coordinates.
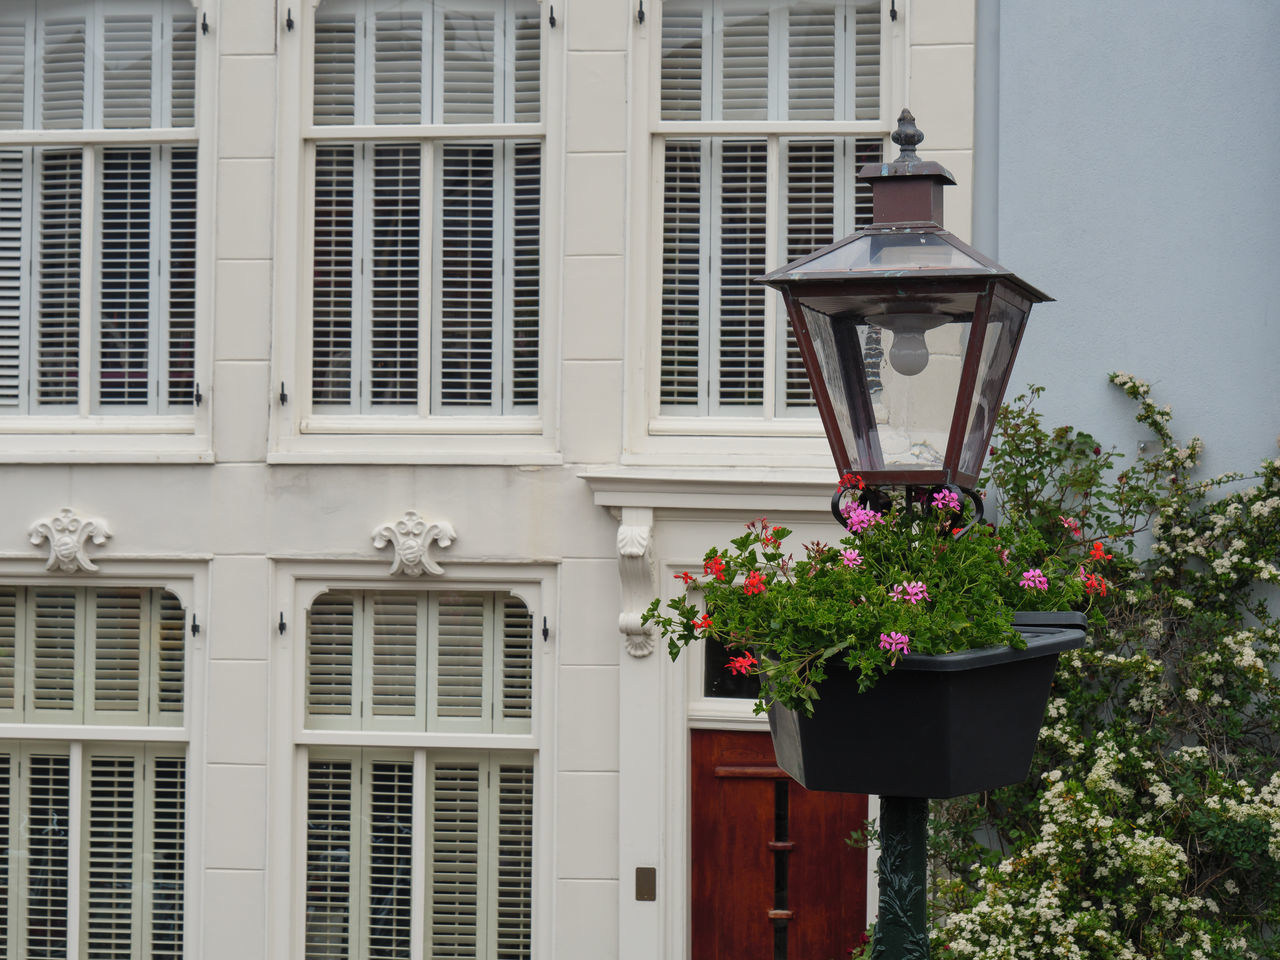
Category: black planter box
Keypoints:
(934, 726)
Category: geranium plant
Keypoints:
(907, 580)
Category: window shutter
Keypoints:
(182, 82)
(467, 67)
(455, 851)
(334, 59)
(527, 69)
(45, 878)
(333, 306)
(169, 658)
(396, 262)
(11, 634)
(181, 267)
(683, 27)
(461, 622)
(13, 253)
(125, 297)
(119, 684)
(517, 666)
(60, 218)
(466, 270)
(514, 862)
(331, 660)
(53, 661)
(744, 81)
(866, 150)
(866, 85)
(63, 61)
(110, 869)
(13, 70)
(811, 223)
(388, 901)
(811, 63)
(682, 276)
(126, 71)
(526, 272)
(166, 856)
(742, 259)
(397, 67)
(330, 854)
(394, 640)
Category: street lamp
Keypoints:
(908, 336)
(907, 333)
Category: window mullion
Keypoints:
(90, 273)
(418, 868)
(76, 883)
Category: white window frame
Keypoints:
(188, 581)
(87, 435)
(301, 433)
(296, 585)
(657, 436)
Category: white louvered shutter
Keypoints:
(515, 676)
(163, 909)
(334, 286)
(127, 69)
(126, 292)
(12, 632)
(331, 855)
(512, 877)
(168, 658)
(811, 62)
(526, 82)
(524, 277)
(469, 85)
(398, 64)
(59, 217)
(10, 821)
(44, 880)
(111, 881)
(740, 231)
(686, 28)
(180, 284)
(117, 657)
(182, 69)
(14, 289)
(811, 194)
(865, 25)
(63, 53)
(394, 633)
(386, 861)
(455, 848)
(394, 263)
(683, 276)
(54, 654)
(15, 38)
(461, 633)
(742, 89)
(335, 57)
(332, 684)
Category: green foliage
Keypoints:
(850, 603)
(1150, 827)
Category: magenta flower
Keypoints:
(912, 592)
(859, 518)
(895, 642)
(947, 501)
(851, 558)
(1033, 579)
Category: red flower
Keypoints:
(714, 567)
(702, 623)
(1099, 552)
(754, 584)
(1072, 525)
(1095, 584)
(848, 481)
(686, 576)
(742, 664)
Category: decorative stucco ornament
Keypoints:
(635, 571)
(68, 537)
(412, 537)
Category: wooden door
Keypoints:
(773, 878)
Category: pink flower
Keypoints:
(851, 558)
(947, 501)
(742, 664)
(859, 518)
(912, 592)
(1033, 579)
(895, 642)
(1071, 524)
(754, 583)
(1004, 556)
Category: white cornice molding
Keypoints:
(636, 574)
(68, 536)
(731, 489)
(412, 536)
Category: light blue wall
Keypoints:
(1138, 176)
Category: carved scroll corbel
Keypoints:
(412, 536)
(69, 536)
(635, 571)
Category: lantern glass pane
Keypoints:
(892, 372)
(1004, 327)
(892, 253)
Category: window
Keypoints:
(92, 833)
(426, 217)
(792, 91)
(441, 830)
(97, 221)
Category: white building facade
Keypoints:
(366, 366)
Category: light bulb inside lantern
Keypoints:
(908, 354)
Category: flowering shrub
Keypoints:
(900, 584)
(1150, 827)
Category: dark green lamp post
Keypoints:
(908, 337)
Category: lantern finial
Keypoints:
(908, 136)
